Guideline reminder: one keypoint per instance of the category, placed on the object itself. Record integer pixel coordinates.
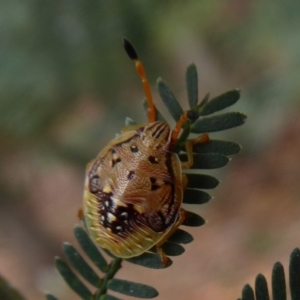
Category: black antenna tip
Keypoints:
(129, 49)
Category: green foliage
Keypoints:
(209, 155)
(192, 85)
(7, 292)
(169, 100)
(279, 292)
(132, 289)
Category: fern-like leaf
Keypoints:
(210, 155)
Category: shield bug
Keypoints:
(134, 188)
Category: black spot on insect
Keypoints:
(156, 221)
(94, 184)
(106, 204)
(154, 186)
(134, 149)
(152, 179)
(153, 159)
(130, 175)
(115, 161)
(123, 216)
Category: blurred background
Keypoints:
(66, 86)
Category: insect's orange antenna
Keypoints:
(178, 126)
(140, 70)
(191, 115)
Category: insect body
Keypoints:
(134, 187)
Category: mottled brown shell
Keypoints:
(133, 191)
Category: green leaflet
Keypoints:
(132, 289)
(207, 160)
(50, 297)
(195, 196)
(216, 146)
(261, 288)
(294, 272)
(7, 292)
(192, 85)
(80, 265)
(170, 249)
(220, 102)
(278, 282)
(181, 237)
(148, 260)
(218, 122)
(193, 220)
(90, 248)
(201, 181)
(248, 293)
(204, 101)
(72, 280)
(169, 100)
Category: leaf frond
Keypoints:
(208, 155)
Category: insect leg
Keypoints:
(178, 126)
(204, 138)
(164, 259)
(80, 214)
(141, 72)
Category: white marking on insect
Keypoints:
(111, 217)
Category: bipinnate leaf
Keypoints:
(210, 155)
(220, 102)
(192, 85)
(295, 274)
(132, 289)
(218, 122)
(169, 100)
(195, 196)
(80, 265)
(72, 280)
(261, 288)
(278, 282)
(90, 248)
